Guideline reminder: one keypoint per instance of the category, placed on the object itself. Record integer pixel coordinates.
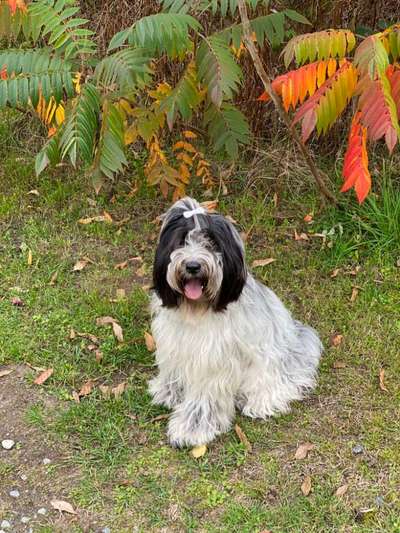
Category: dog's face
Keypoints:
(199, 258)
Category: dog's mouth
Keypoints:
(193, 289)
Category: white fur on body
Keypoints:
(253, 355)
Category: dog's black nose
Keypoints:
(193, 267)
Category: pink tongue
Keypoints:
(193, 289)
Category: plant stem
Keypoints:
(262, 73)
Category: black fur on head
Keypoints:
(225, 241)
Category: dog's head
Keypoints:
(199, 258)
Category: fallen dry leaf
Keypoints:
(339, 364)
(160, 417)
(382, 380)
(199, 451)
(145, 288)
(98, 355)
(210, 205)
(141, 271)
(336, 339)
(75, 396)
(30, 258)
(306, 486)
(231, 220)
(335, 272)
(80, 265)
(5, 373)
(121, 294)
(72, 334)
(53, 278)
(117, 330)
(89, 336)
(105, 217)
(354, 294)
(16, 300)
(34, 192)
(119, 389)
(301, 237)
(355, 271)
(121, 266)
(150, 344)
(136, 259)
(303, 449)
(105, 391)
(308, 218)
(243, 438)
(60, 505)
(341, 490)
(43, 376)
(262, 262)
(86, 388)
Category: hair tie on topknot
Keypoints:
(198, 211)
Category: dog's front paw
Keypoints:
(167, 394)
(181, 433)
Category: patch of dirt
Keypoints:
(35, 467)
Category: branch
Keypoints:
(317, 174)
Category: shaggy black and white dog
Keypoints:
(223, 339)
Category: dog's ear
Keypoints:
(172, 236)
(231, 247)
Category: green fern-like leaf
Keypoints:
(49, 154)
(81, 126)
(110, 154)
(163, 32)
(223, 7)
(184, 97)
(128, 69)
(217, 69)
(27, 72)
(55, 21)
(227, 128)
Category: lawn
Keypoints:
(108, 456)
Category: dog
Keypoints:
(223, 340)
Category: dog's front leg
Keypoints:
(165, 390)
(201, 417)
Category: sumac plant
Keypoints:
(94, 106)
(332, 72)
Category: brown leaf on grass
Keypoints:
(262, 262)
(160, 417)
(339, 364)
(335, 272)
(308, 218)
(105, 391)
(354, 294)
(341, 490)
(53, 278)
(136, 259)
(5, 373)
(306, 486)
(30, 258)
(354, 271)
(80, 265)
(16, 300)
(72, 334)
(121, 294)
(382, 380)
(243, 438)
(336, 339)
(301, 237)
(303, 449)
(60, 505)
(141, 271)
(117, 330)
(121, 266)
(231, 220)
(75, 396)
(210, 205)
(118, 390)
(105, 217)
(98, 355)
(44, 376)
(34, 192)
(86, 388)
(150, 343)
(199, 451)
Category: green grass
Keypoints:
(127, 470)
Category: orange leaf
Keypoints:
(382, 385)
(44, 376)
(355, 167)
(86, 388)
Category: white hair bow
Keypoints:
(198, 211)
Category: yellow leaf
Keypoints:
(29, 260)
(189, 134)
(150, 344)
(60, 114)
(77, 82)
(185, 157)
(199, 451)
(130, 134)
(178, 145)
